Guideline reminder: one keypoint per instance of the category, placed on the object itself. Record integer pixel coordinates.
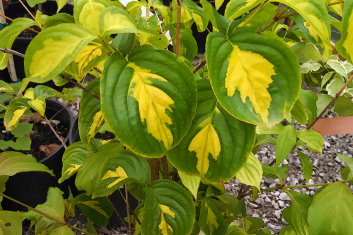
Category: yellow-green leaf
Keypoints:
(204, 143)
(61, 4)
(95, 205)
(98, 120)
(153, 104)
(16, 117)
(60, 45)
(89, 15)
(119, 173)
(344, 45)
(115, 20)
(243, 74)
(38, 105)
(191, 182)
(219, 3)
(73, 168)
(251, 172)
(211, 219)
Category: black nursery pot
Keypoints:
(16, 10)
(31, 187)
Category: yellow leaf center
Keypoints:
(119, 173)
(250, 73)
(205, 142)
(164, 226)
(153, 104)
(73, 168)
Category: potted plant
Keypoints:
(183, 130)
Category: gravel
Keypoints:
(327, 166)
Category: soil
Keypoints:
(44, 142)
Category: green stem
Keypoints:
(301, 186)
(177, 35)
(46, 215)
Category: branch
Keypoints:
(177, 35)
(8, 18)
(302, 186)
(199, 66)
(56, 134)
(331, 103)
(9, 51)
(46, 215)
(80, 86)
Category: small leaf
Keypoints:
(14, 112)
(54, 206)
(97, 210)
(251, 172)
(32, 3)
(168, 208)
(114, 20)
(348, 161)
(191, 182)
(330, 212)
(296, 213)
(344, 106)
(61, 4)
(12, 163)
(90, 118)
(285, 143)
(312, 139)
(307, 166)
(335, 85)
(63, 230)
(11, 222)
(73, 159)
(236, 8)
(109, 162)
(60, 45)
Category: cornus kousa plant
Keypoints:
(186, 121)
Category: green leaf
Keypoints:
(219, 3)
(54, 206)
(58, 18)
(335, 85)
(216, 213)
(60, 45)
(73, 159)
(90, 118)
(235, 230)
(317, 18)
(22, 129)
(190, 182)
(348, 161)
(217, 144)
(344, 45)
(97, 210)
(330, 212)
(260, 18)
(124, 42)
(307, 166)
(11, 222)
(296, 214)
(344, 106)
(32, 3)
(251, 172)
(3, 180)
(63, 230)
(12, 163)
(307, 52)
(168, 209)
(149, 102)
(219, 22)
(236, 63)
(312, 139)
(322, 101)
(309, 99)
(113, 168)
(114, 20)
(9, 34)
(285, 143)
(61, 4)
(188, 44)
(340, 67)
(299, 113)
(190, 10)
(236, 8)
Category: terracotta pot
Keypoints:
(334, 126)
